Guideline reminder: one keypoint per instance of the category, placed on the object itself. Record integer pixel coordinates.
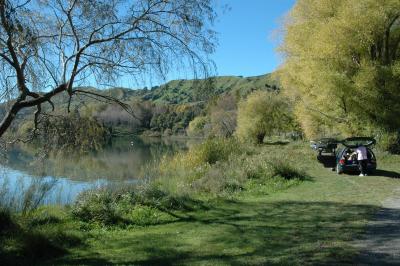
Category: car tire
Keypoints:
(339, 171)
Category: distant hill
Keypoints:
(189, 91)
(169, 106)
(181, 91)
(186, 91)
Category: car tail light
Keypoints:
(342, 161)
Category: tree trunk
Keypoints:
(260, 138)
(21, 103)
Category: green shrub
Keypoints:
(213, 150)
(257, 171)
(145, 215)
(219, 179)
(145, 205)
(202, 169)
(154, 197)
(390, 142)
(285, 169)
(192, 164)
(223, 167)
(197, 126)
(96, 206)
(263, 114)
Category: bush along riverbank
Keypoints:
(193, 181)
(217, 168)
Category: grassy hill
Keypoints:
(185, 91)
(189, 91)
(182, 91)
(169, 106)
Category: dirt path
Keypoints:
(381, 243)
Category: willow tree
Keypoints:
(261, 114)
(342, 65)
(48, 47)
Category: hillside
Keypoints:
(170, 106)
(185, 91)
(189, 91)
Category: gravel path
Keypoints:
(381, 243)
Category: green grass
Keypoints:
(291, 223)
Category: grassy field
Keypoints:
(309, 222)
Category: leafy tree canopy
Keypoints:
(342, 65)
(51, 46)
(263, 114)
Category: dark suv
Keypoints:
(347, 164)
(340, 159)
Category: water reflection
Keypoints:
(121, 161)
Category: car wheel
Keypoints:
(339, 170)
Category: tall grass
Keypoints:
(221, 167)
(389, 142)
(129, 206)
(216, 168)
(24, 235)
(24, 195)
(174, 187)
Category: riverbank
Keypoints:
(312, 221)
(117, 164)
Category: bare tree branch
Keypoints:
(55, 44)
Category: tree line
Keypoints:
(342, 67)
(340, 75)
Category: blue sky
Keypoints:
(246, 43)
(246, 47)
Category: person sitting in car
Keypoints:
(350, 156)
(353, 156)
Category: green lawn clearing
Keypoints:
(314, 222)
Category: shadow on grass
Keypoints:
(20, 245)
(385, 173)
(328, 161)
(277, 143)
(377, 172)
(237, 233)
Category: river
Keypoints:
(64, 176)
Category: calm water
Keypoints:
(120, 162)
